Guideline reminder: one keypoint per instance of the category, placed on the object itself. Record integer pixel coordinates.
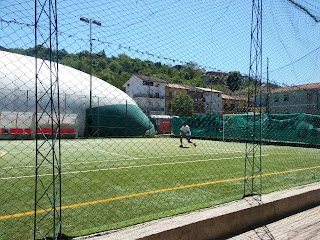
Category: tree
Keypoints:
(234, 80)
(182, 105)
(115, 66)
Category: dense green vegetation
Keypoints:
(116, 70)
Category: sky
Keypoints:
(216, 34)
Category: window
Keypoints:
(309, 97)
(147, 83)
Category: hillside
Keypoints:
(116, 70)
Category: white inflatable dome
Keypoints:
(18, 87)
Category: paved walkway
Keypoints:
(301, 226)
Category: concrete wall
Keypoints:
(239, 221)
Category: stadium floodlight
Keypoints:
(90, 21)
(96, 22)
(84, 19)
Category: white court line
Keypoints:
(224, 151)
(63, 164)
(117, 160)
(186, 155)
(23, 151)
(129, 167)
(103, 151)
(112, 153)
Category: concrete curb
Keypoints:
(233, 223)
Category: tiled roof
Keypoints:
(178, 86)
(190, 88)
(209, 90)
(181, 86)
(225, 96)
(297, 88)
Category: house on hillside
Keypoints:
(148, 93)
(154, 96)
(173, 90)
(295, 99)
(198, 100)
(212, 101)
(205, 100)
(233, 104)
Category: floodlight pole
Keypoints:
(90, 21)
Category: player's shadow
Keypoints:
(184, 147)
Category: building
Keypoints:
(173, 90)
(294, 99)
(233, 104)
(154, 96)
(205, 100)
(148, 93)
(212, 101)
(198, 100)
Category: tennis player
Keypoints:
(185, 132)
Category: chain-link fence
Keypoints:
(98, 100)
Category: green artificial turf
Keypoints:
(116, 182)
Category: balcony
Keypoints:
(144, 95)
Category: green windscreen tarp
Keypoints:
(117, 120)
(295, 128)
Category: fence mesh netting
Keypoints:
(94, 95)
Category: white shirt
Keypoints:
(185, 130)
